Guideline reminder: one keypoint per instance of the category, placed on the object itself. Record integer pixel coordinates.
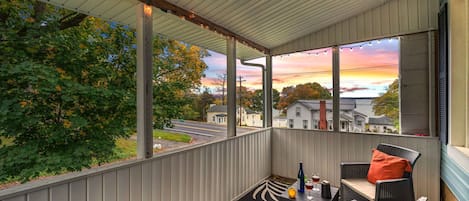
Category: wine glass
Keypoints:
(309, 189)
(316, 180)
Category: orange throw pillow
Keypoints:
(384, 166)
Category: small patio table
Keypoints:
(316, 195)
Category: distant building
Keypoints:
(381, 125)
(317, 115)
(218, 114)
(278, 119)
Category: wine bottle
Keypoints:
(301, 179)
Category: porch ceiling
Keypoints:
(269, 23)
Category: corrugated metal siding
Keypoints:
(274, 22)
(168, 25)
(396, 17)
(322, 152)
(216, 171)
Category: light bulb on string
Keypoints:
(351, 49)
(317, 54)
(378, 41)
(361, 46)
(370, 44)
(325, 52)
(390, 40)
(341, 49)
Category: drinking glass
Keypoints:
(309, 189)
(316, 180)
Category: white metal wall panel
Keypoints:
(41, 195)
(18, 198)
(77, 190)
(396, 17)
(322, 152)
(59, 192)
(110, 186)
(95, 188)
(212, 172)
(123, 184)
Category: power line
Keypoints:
(240, 98)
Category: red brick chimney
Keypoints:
(322, 115)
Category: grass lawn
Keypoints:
(177, 137)
(127, 148)
(5, 141)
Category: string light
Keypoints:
(351, 48)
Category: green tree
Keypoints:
(67, 84)
(308, 91)
(177, 71)
(200, 104)
(62, 97)
(388, 103)
(257, 99)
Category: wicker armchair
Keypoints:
(354, 185)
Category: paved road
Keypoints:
(203, 130)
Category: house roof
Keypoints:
(345, 117)
(356, 113)
(218, 108)
(380, 121)
(345, 104)
(249, 111)
(275, 25)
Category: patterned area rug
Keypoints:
(269, 190)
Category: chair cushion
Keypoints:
(384, 166)
(362, 187)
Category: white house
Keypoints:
(306, 114)
(381, 125)
(218, 114)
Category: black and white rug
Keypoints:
(269, 190)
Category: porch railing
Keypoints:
(322, 153)
(215, 171)
(224, 169)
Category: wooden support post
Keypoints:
(144, 81)
(335, 88)
(267, 87)
(231, 85)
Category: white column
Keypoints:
(335, 88)
(231, 85)
(144, 82)
(267, 87)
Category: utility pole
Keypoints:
(222, 81)
(223, 90)
(240, 99)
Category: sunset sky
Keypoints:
(365, 71)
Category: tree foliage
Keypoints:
(388, 103)
(68, 84)
(197, 110)
(257, 100)
(308, 91)
(177, 70)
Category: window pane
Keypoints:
(369, 86)
(304, 81)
